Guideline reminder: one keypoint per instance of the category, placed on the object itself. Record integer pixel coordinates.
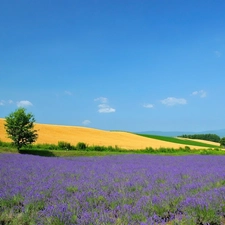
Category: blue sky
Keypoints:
(115, 65)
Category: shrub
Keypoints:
(81, 146)
(187, 148)
(48, 146)
(149, 150)
(99, 148)
(65, 145)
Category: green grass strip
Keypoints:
(179, 141)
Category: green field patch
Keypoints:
(179, 141)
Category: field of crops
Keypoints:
(52, 134)
(199, 140)
(122, 190)
(184, 141)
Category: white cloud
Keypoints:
(103, 107)
(217, 54)
(194, 92)
(171, 101)
(149, 106)
(86, 122)
(68, 92)
(10, 101)
(200, 93)
(2, 102)
(102, 99)
(24, 103)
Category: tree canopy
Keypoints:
(20, 128)
(222, 142)
(207, 137)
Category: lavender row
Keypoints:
(129, 189)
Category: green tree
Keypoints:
(222, 142)
(20, 128)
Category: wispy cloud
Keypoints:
(171, 101)
(200, 93)
(24, 103)
(102, 99)
(147, 105)
(103, 107)
(86, 122)
(2, 102)
(68, 92)
(217, 54)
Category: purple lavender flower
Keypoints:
(129, 189)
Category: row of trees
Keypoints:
(20, 128)
(207, 137)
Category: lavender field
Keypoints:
(125, 189)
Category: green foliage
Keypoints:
(179, 141)
(207, 137)
(222, 142)
(72, 189)
(19, 127)
(65, 145)
(60, 150)
(5, 144)
(81, 146)
(12, 211)
(98, 148)
(47, 146)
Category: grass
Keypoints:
(53, 150)
(66, 149)
(179, 141)
(64, 153)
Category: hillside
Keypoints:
(220, 133)
(53, 133)
(199, 140)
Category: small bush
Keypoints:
(50, 146)
(81, 146)
(65, 145)
(149, 150)
(187, 148)
(110, 149)
(99, 148)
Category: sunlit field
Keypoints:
(52, 134)
(199, 140)
(128, 189)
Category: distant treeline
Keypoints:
(207, 137)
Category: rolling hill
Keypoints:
(51, 134)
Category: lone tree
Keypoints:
(19, 127)
(222, 142)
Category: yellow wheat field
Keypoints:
(51, 134)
